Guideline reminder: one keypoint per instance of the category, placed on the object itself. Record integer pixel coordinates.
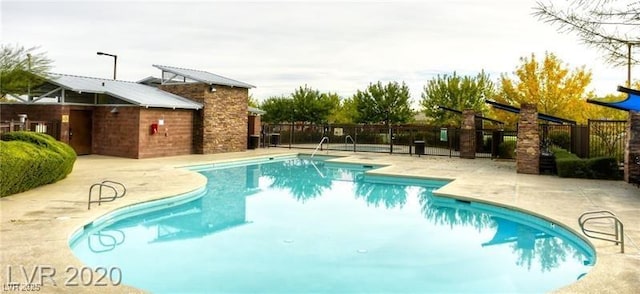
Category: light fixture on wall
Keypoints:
(115, 110)
(212, 88)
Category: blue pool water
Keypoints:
(295, 225)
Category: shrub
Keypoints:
(29, 160)
(560, 139)
(604, 168)
(571, 166)
(507, 149)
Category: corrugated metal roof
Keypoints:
(256, 110)
(203, 76)
(135, 93)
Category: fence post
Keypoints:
(390, 139)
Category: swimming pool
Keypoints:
(300, 225)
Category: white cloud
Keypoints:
(278, 46)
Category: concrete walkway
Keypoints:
(35, 226)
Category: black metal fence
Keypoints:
(403, 139)
(595, 139)
(607, 138)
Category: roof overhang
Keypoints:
(99, 86)
(256, 110)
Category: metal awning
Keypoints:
(541, 116)
(632, 102)
(171, 74)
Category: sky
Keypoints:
(278, 46)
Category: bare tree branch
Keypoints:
(607, 25)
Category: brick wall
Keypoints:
(41, 112)
(196, 93)
(221, 126)
(175, 137)
(115, 134)
(254, 125)
(528, 142)
(468, 134)
(633, 146)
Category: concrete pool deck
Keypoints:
(35, 226)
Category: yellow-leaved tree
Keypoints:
(548, 83)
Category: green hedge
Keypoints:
(507, 149)
(571, 166)
(29, 160)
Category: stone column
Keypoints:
(468, 134)
(528, 142)
(632, 148)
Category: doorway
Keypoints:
(80, 125)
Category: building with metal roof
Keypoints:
(184, 112)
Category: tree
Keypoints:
(549, 84)
(383, 103)
(278, 109)
(252, 101)
(311, 106)
(21, 69)
(345, 112)
(611, 26)
(456, 92)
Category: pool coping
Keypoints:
(605, 276)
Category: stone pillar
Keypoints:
(632, 148)
(528, 142)
(468, 134)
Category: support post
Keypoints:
(528, 142)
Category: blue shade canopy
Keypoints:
(631, 103)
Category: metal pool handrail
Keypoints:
(352, 141)
(111, 186)
(618, 234)
(320, 145)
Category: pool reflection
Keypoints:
(224, 207)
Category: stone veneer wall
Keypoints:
(528, 142)
(468, 134)
(632, 148)
(221, 126)
(225, 123)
